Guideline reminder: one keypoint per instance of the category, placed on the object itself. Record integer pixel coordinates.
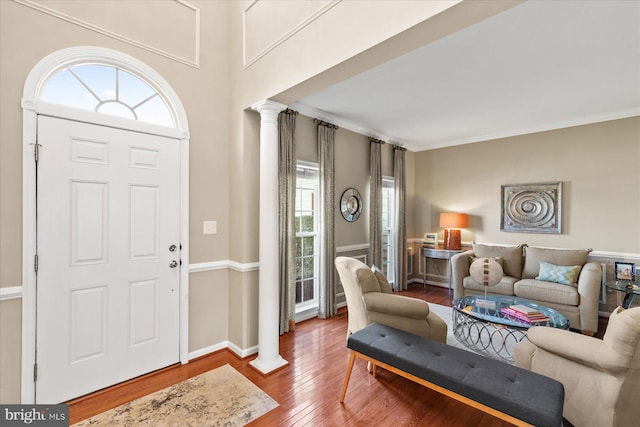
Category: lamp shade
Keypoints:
(453, 220)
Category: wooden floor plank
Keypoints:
(308, 390)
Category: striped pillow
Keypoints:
(565, 275)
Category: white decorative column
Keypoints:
(268, 358)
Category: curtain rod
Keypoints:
(327, 124)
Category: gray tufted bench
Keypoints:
(513, 394)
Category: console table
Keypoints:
(435, 253)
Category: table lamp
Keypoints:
(452, 222)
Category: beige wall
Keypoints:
(10, 350)
(598, 165)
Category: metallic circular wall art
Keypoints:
(533, 208)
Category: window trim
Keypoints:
(75, 74)
(389, 183)
(309, 309)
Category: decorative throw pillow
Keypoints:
(565, 275)
(382, 280)
(367, 280)
(512, 256)
(568, 257)
(486, 271)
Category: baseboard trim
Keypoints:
(208, 350)
(242, 353)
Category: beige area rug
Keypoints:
(445, 313)
(221, 397)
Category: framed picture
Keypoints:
(532, 208)
(430, 239)
(624, 271)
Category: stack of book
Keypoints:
(524, 313)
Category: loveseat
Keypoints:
(570, 284)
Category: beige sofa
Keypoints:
(521, 265)
(371, 300)
(601, 378)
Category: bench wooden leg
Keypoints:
(352, 359)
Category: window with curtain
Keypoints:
(307, 242)
(388, 225)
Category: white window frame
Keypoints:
(99, 93)
(390, 261)
(309, 309)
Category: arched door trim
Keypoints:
(32, 107)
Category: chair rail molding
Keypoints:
(242, 267)
(349, 248)
(616, 255)
(10, 292)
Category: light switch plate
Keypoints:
(209, 227)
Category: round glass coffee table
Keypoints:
(480, 324)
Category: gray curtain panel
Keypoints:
(326, 150)
(286, 214)
(400, 220)
(375, 203)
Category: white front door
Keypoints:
(107, 291)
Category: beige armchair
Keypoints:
(371, 300)
(601, 377)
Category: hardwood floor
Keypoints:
(308, 388)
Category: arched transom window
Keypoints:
(108, 90)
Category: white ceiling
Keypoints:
(538, 66)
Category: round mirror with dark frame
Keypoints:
(351, 204)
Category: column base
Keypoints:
(268, 367)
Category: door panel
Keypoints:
(108, 301)
(89, 222)
(144, 225)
